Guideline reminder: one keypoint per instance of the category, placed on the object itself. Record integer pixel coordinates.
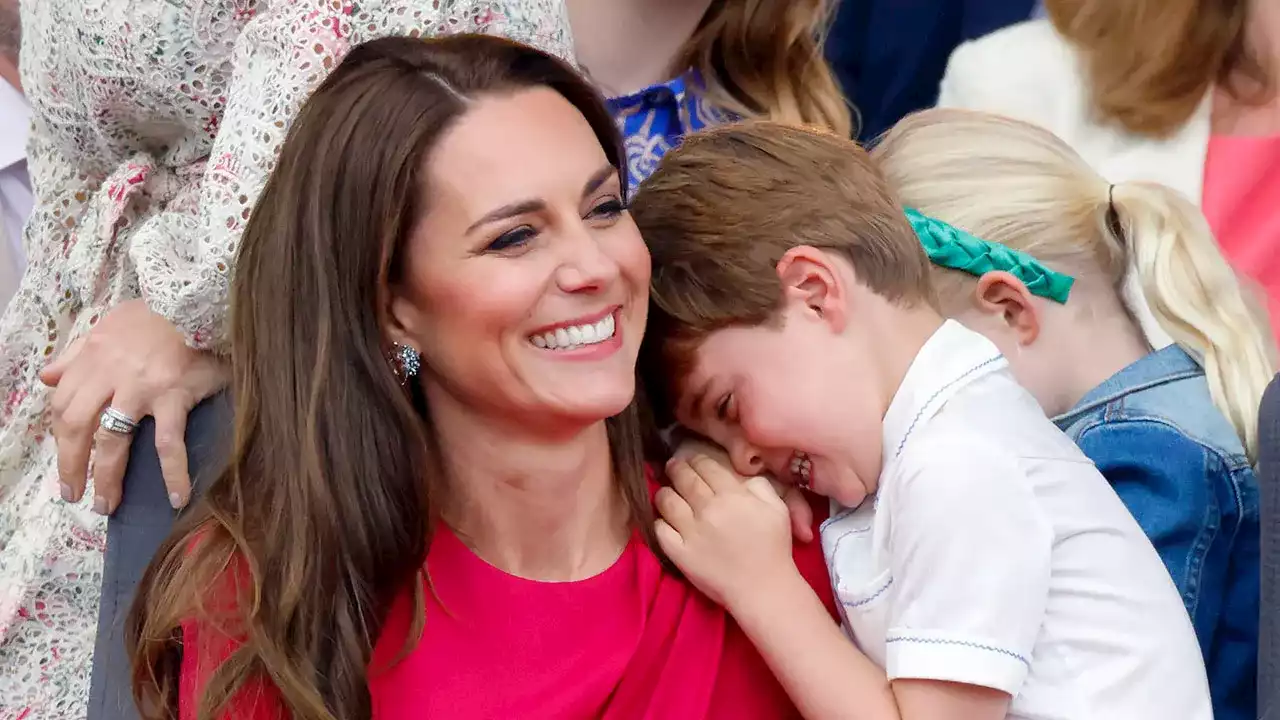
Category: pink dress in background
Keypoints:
(1242, 203)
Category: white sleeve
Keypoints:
(970, 555)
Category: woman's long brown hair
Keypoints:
(764, 59)
(328, 505)
(1151, 62)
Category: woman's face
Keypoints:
(525, 284)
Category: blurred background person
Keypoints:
(154, 128)
(675, 66)
(889, 55)
(1178, 91)
(15, 186)
(1269, 491)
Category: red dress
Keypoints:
(632, 642)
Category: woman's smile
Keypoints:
(591, 337)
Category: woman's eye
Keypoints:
(610, 208)
(512, 239)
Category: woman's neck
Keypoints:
(539, 507)
(628, 45)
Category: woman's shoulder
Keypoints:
(214, 630)
(1025, 51)
(808, 556)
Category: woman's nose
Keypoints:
(585, 265)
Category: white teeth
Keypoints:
(576, 336)
(801, 468)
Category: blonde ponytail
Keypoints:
(1196, 298)
(1019, 185)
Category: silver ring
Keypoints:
(114, 421)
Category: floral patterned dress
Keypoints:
(655, 119)
(156, 124)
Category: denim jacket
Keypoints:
(1179, 467)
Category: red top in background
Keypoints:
(1242, 203)
(632, 642)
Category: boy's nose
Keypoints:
(747, 460)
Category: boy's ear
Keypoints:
(812, 281)
(1000, 294)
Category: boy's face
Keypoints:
(791, 400)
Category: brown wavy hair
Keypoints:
(330, 499)
(724, 207)
(764, 59)
(1151, 62)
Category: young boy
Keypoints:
(991, 571)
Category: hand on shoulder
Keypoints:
(730, 536)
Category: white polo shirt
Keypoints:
(995, 554)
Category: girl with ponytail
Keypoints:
(1119, 313)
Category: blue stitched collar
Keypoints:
(951, 358)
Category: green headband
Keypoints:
(951, 247)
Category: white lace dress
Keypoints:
(156, 123)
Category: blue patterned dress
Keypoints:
(654, 119)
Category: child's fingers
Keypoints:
(801, 514)
(668, 539)
(761, 488)
(687, 481)
(718, 477)
(673, 509)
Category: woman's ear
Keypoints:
(1001, 295)
(402, 319)
(812, 280)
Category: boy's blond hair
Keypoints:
(724, 207)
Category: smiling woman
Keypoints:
(437, 312)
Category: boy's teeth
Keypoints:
(801, 469)
(576, 336)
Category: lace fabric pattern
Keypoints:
(155, 126)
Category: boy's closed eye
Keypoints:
(724, 407)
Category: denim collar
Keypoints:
(1158, 368)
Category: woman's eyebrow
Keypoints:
(525, 207)
(598, 179)
(522, 207)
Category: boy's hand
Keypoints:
(730, 538)
(797, 504)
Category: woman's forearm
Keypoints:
(825, 675)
